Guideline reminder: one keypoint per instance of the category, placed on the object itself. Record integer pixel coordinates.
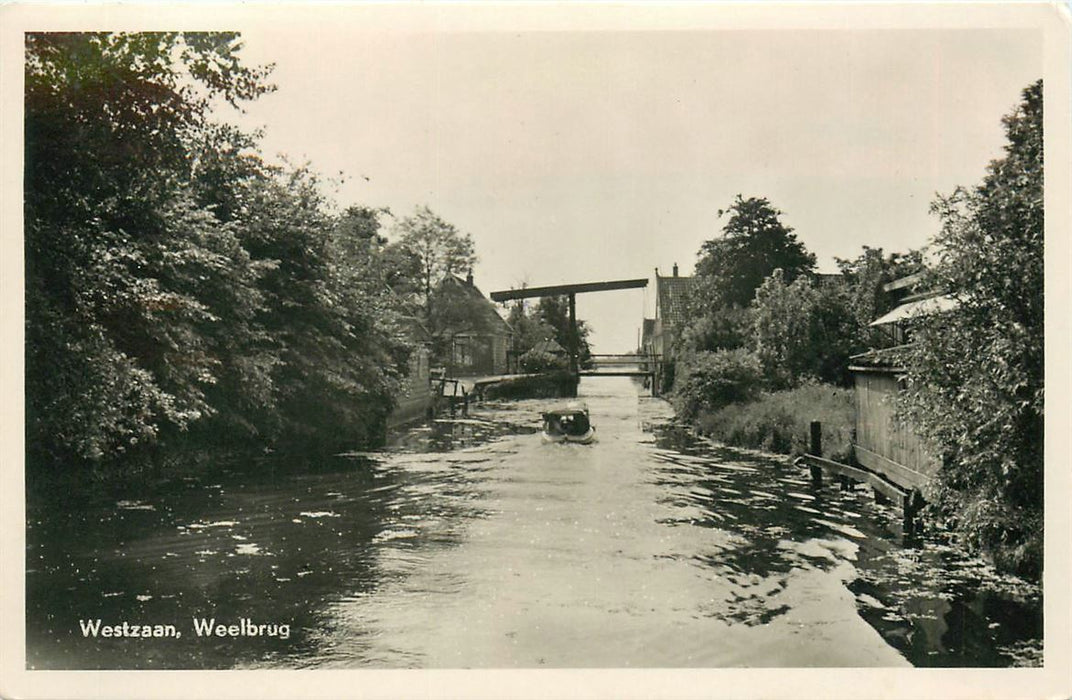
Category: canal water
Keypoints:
(470, 543)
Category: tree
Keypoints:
(179, 289)
(554, 312)
(976, 373)
(754, 243)
(438, 248)
(864, 278)
(128, 279)
(782, 319)
(716, 328)
(339, 364)
(529, 329)
(833, 334)
(803, 331)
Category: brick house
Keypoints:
(671, 299)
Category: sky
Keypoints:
(577, 156)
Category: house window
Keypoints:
(463, 352)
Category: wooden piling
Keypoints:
(912, 527)
(815, 448)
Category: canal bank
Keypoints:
(469, 543)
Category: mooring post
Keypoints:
(816, 448)
(852, 446)
(912, 528)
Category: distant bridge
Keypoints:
(628, 365)
(604, 365)
(571, 291)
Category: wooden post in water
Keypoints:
(911, 527)
(816, 448)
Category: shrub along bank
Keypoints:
(724, 394)
(779, 421)
(759, 319)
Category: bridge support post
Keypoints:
(574, 343)
(573, 335)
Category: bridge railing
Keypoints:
(624, 359)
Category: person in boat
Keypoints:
(574, 423)
(578, 424)
(554, 424)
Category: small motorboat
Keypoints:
(568, 424)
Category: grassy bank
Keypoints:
(779, 421)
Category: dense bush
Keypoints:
(707, 381)
(780, 421)
(976, 372)
(782, 316)
(179, 290)
(538, 361)
(552, 385)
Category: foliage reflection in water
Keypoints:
(469, 543)
(933, 603)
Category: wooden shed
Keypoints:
(884, 444)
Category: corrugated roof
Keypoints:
(889, 359)
(906, 282)
(917, 308)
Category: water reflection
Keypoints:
(469, 543)
(934, 604)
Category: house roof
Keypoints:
(829, 279)
(487, 311)
(549, 346)
(672, 294)
(411, 328)
(919, 307)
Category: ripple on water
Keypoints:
(469, 544)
